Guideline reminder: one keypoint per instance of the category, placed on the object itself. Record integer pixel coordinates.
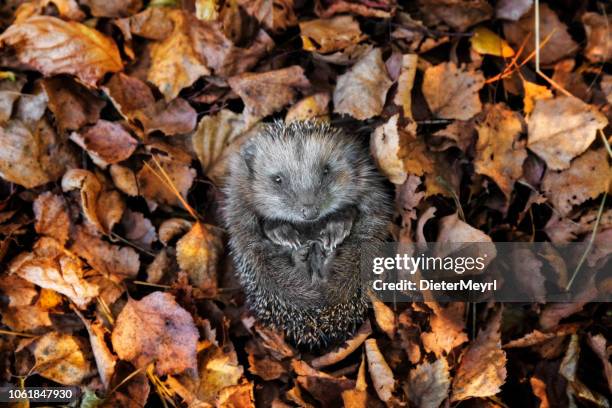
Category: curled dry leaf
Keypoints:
(268, 92)
(598, 345)
(559, 141)
(62, 358)
(384, 316)
(499, 152)
(138, 229)
(54, 46)
(326, 388)
(405, 83)
(50, 266)
(588, 176)
(345, 349)
(447, 324)
(361, 91)
(52, 218)
(482, 370)
(172, 227)
(599, 37)
(559, 45)
(459, 14)
(329, 35)
(385, 147)
(105, 359)
(73, 105)
(106, 142)
(216, 137)
(218, 369)
(152, 188)
(380, 373)
(32, 157)
(452, 92)
(110, 260)
(156, 329)
(154, 23)
(124, 179)
(197, 253)
(429, 383)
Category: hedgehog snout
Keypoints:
(310, 212)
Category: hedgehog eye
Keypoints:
(277, 179)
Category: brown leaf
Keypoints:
(413, 151)
(170, 118)
(429, 384)
(325, 388)
(588, 176)
(598, 345)
(385, 146)
(276, 15)
(19, 291)
(533, 93)
(482, 370)
(62, 358)
(218, 369)
(499, 152)
(528, 274)
(105, 359)
(53, 46)
(512, 9)
(459, 14)
(268, 92)
(128, 94)
(154, 23)
(379, 9)
(240, 395)
(452, 229)
(152, 188)
(342, 351)
(10, 91)
(362, 90)
(452, 92)
(73, 105)
(32, 157)
(329, 35)
(112, 8)
(405, 82)
(124, 179)
(197, 253)
(50, 266)
(106, 142)
(27, 319)
(109, 260)
(138, 229)
(447, 326)
(559, 45)
(599, 37)
(52, 218)
(380, 373)
(559, 141)
(384, 317)
(313, 107)
(156, 329)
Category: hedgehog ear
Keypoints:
(247, 151)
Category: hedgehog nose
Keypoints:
(310, 212)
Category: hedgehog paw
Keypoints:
(284, 235)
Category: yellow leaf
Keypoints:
(49, 299)
(486, 41)
(533, 92)
(206, 10)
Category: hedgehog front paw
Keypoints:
(284, 235)
(334, 233)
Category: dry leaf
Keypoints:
(138, 229)
(447, 326)
(170, 118)
(105, 359)
(405, 82)
(345, 349)
(112, 8)
(429, 383)
(152, 188)
(217, 370)
(482, 370)
(413, 151)
(27, 319)
(52, 218)
(124, 179)
(268, 92)
(154, 23)
(459, 14)
(385, 146)
(588, 176)
(362, 90)
(50, 266)
(512, 9)
(90, 188)
(598, 345)
(73, 105)
(216, 137)
(53, 46)
(451, 92)
(106, 142)
(156, 329)
(380, 373)
(19, 291)
(528, 274)
(533, 93)
(128, 94)
(197, 253)
(276, 15)
(499, 152)
(385, 317)
(599, 37)
(32, 157)
(485, 41)
(62, 358)
(379, 9)
(559, 141)
(323, 387)
(313, 107)
(329, 35)
(559, 45)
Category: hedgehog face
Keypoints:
(301, 177)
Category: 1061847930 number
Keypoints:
(39, 394)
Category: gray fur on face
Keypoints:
(304, 189)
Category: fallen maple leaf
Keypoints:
(429, 383)
(53, 46)
(482, 370)
(499, 152)
(361, 91)
(156, 329)
(452, 92)
(268, 92)
(588, 176)
(559, 141)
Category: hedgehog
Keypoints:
(302, 203)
